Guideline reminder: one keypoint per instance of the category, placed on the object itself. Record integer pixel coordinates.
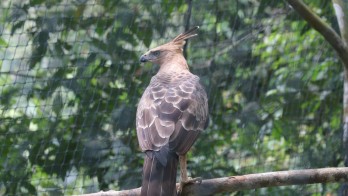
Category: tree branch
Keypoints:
(341, 7)
(252, 181)
(187, 22)
(323, 28)
(17, 74)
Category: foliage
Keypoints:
(70, 81)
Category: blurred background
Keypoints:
(70, 80)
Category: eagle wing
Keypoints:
(171, 113)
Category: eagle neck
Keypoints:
(175, 64)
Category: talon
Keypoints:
(188, 181)
(193, 180)
(198, 180)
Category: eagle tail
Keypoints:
(159, 180)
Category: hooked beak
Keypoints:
(143, 59)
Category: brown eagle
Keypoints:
(171, 113)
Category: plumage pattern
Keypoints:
(172, 110)
(171, 113)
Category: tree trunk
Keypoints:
(341, 9)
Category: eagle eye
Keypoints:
(156, 53)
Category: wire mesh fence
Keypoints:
(71, 78)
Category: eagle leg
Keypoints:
(184, 180)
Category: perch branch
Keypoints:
(252, 181)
